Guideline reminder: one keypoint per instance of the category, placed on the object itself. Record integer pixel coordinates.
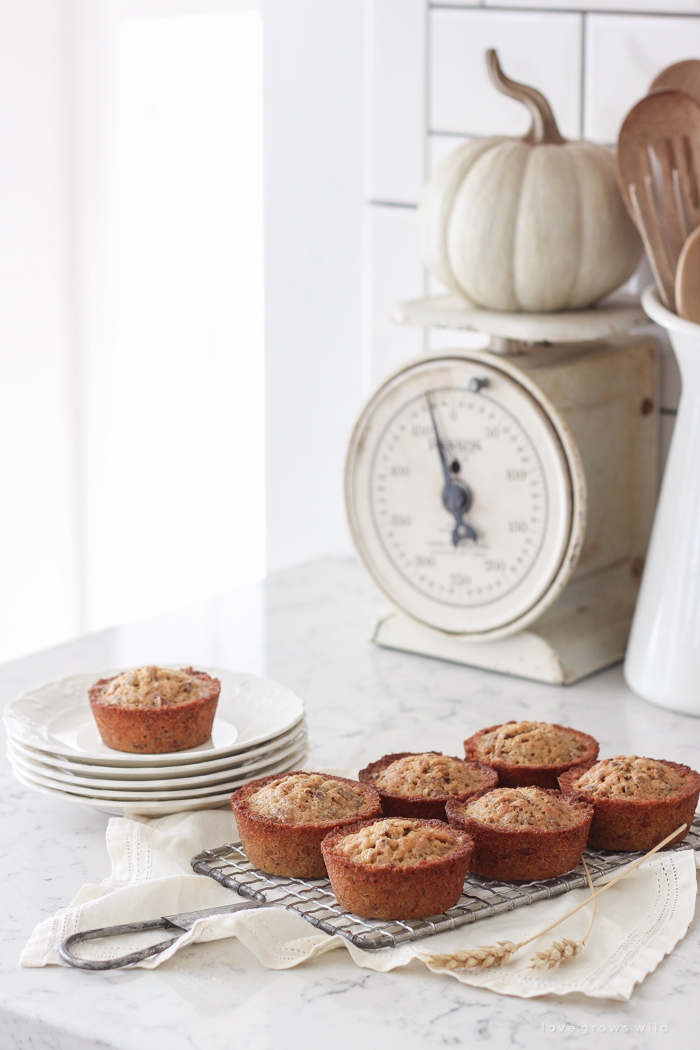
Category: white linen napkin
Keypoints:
(638, 921)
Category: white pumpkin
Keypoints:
(535, 224)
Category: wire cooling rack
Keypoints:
(481, 898)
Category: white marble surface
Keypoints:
(309, 628)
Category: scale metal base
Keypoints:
(584, 631)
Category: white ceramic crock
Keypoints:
(663, 654)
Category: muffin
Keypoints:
(282, 819)
(419, 785)
(523, 833)
(154, 710)
(637, 801)
(398, 867)
(526, 754)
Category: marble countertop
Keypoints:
(309, 627)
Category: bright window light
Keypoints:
(174, 394)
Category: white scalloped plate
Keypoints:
(74, 792)
(56, 718)
(98, 785)
(143, 774)
(146, 809)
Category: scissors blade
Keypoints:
(186, 919)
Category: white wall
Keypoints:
(131, 310)
(313, 287)
(38, 592)
(173, 372)
(69, 360)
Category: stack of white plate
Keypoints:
(54, 746)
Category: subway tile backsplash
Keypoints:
(396, 90)
(428, 90)
(535, 47)
(652, 6)
(623, 55)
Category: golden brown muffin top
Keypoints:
(630, 777)
(529, 744)
(154, 687)
(522, 807)
(427, 775)
(306, 798)
(396, 840)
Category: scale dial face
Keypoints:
(460, 496)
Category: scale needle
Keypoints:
(456, 497)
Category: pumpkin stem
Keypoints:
(544, 128)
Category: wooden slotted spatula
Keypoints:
(658, 167)
(682, 76)
(687, 287)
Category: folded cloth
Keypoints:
(638, 921)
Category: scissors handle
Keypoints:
(111, 931)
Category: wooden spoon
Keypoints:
(660, 136)
(688, 279)
(683, 76)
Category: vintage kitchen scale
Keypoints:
(502, 499)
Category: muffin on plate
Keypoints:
(523, 833)
(637, 801)
(526, 754)
(419, 784)
(155, 710)
(283, 818)
(398, 867)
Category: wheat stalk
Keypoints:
(558, 952)
(499, 954)
(475, 958)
